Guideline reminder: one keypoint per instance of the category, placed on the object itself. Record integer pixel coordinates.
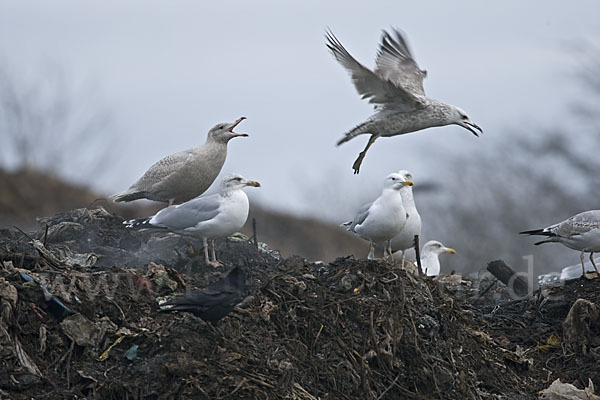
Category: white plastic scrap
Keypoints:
(566, 391)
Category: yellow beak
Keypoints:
(253, 183)
(408, 183)
(449, 250)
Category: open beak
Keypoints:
(236, 123)
(253, 183)
(449, 250)
(408, 183)
(471, 127)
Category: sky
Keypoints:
(168, 71)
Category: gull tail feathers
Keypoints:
(127, 195)
(354, 132)
(551, 240)
(138, 223)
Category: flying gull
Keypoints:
(182, 176)
(580, 232)
(406, 238)
(429, 259)
(395, 88)
(384, 218)
(208, 217)
(214, 302)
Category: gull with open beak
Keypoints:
(207, 217)
(395, 88)
(182, 176)
(384, 218)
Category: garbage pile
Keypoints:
(79, 317)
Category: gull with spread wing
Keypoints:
(395, 88)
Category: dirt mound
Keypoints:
(30, 194)
(79, 318)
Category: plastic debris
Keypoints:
(131, 353)
(566, 391)
(552, 342)
(55, 306)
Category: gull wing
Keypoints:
(396, 64)
(188, 214)
(577, 224)
(360, 217)
(381, 92)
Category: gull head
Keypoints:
(437, 248)
(236, 182)
(396, 181)
(459, 117)
(223, 132)
(406, 175)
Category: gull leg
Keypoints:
(205, 244)
(389, 249)
(361, 156)
(593, 263)
(214, 261)
(371, 251)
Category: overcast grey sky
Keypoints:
(171, 70)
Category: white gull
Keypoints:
(430, 262)
(384, 218)
(207, 217)
(406, 238)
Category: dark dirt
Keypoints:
(348, 329)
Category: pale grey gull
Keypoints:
(384, 218)
(182, 176)
(395, 88)
(406, 238)
(430, 262)
(207, 217)
(580, 232)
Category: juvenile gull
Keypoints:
(429, 259)
(182, 176)
(406, 238)
(580, 232)
(213, 302)
(395, 88)
(384, 218)
(207, 217)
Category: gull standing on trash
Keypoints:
(381, 220)
(207, 217)
(580, 232)
(429, 259)
(213, 302)
(182, 176)
(395, 88)
(406, 238)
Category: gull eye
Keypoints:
(464, 117)
(220, 126)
